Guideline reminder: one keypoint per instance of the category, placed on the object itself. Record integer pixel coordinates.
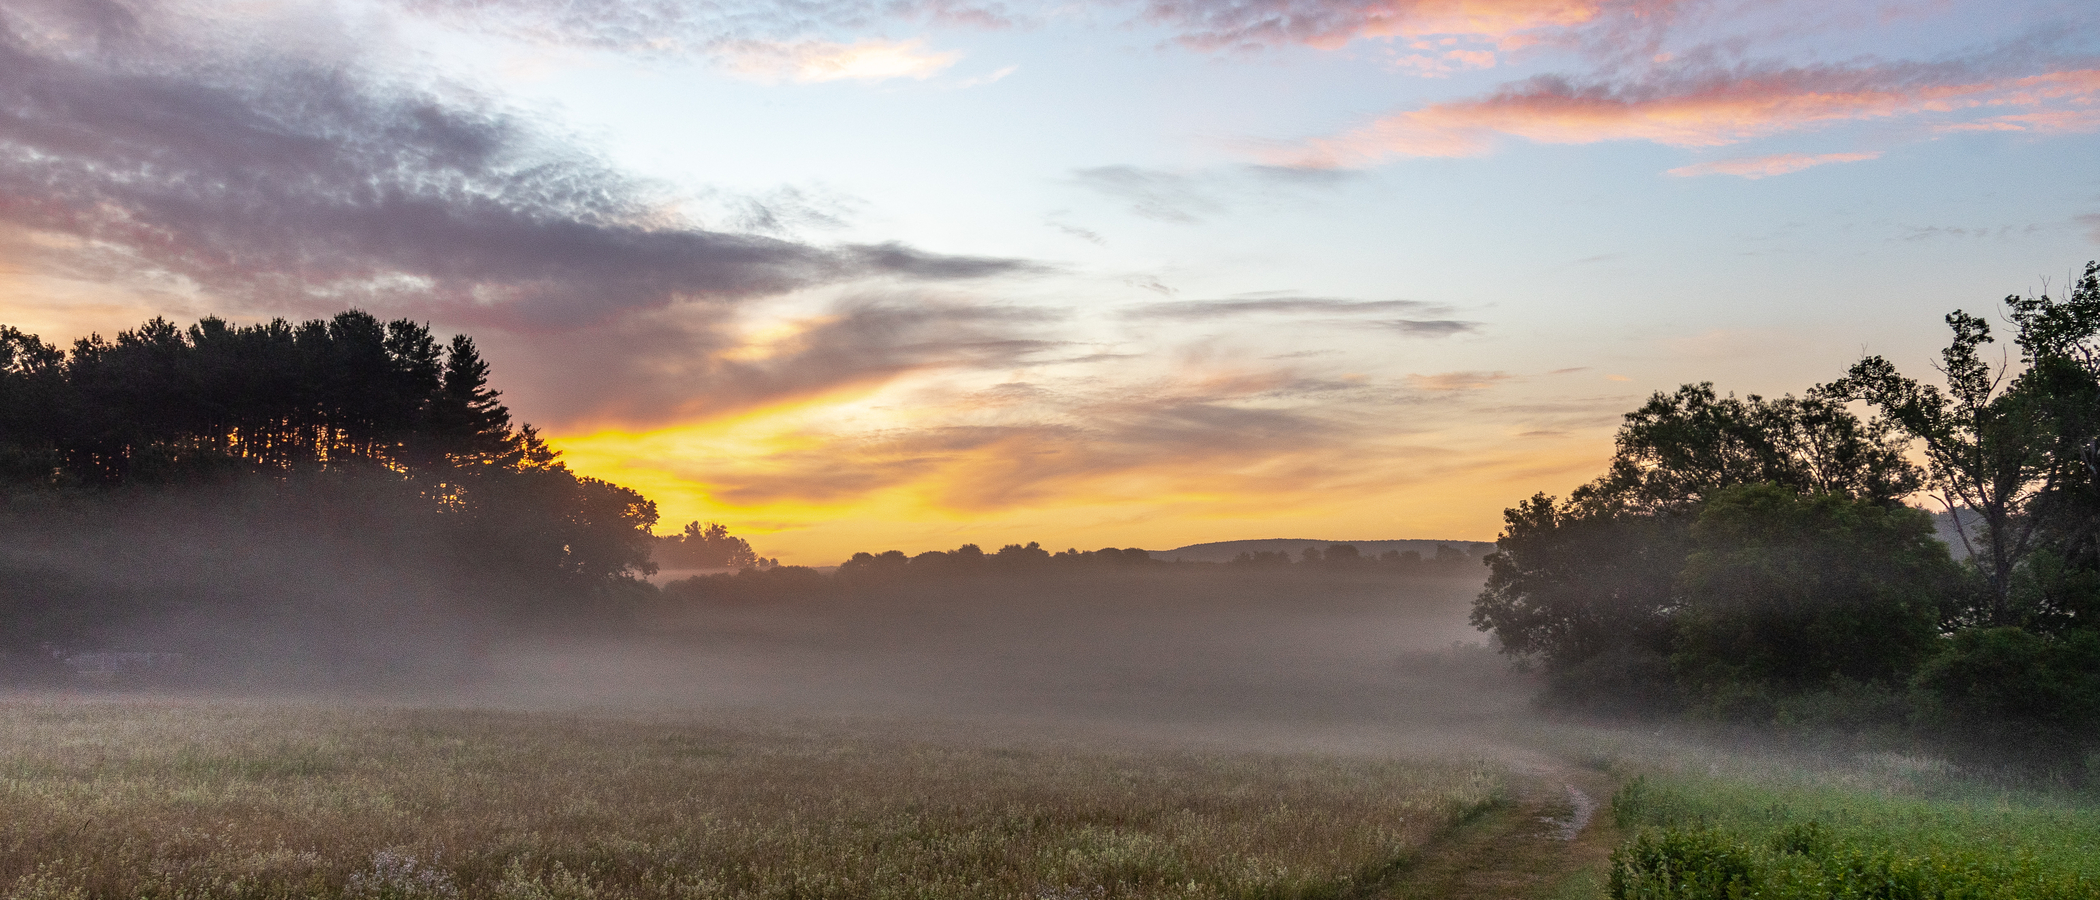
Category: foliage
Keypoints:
(1446, 558)
(867, 572)
(709, 547)
(2016, 450)
(1575, 580)
(2010, 692)
(1764, 547)
(1598, 574)
(1791, 592)
(1680, 449)
(1719, 837)
(382, 434)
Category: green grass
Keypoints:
(188, 801)
(1897, 833)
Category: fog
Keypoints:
(326, 604)
(1208, 654)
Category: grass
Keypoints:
(1888, 826)
(207, 800)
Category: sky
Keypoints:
(856, 275)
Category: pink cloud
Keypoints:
(1754, 167)
(1713, 111)
(1329, 24)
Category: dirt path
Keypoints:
(1552, 841)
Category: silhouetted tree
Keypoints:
(708, 547)
(2014, 450)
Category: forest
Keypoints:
(292, 484)
(1758, 561)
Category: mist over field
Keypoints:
(343, 600)
(1269, 654)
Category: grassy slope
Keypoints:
(204, 800)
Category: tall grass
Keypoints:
(1835, 835)
(197, 800)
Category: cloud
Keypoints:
(2092, 223)
(1153, 194)
(1700, 106)
(816, 61)
(1433, 328)
(1084, 234)
(1035, 445)
(987, 78)
(1755, 167)
(784, 210)
(1331, 24)
(1216, 309)
(1916, 233)
(683, 364)
(1457, 381)
(283, 180)
(684, 28)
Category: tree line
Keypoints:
(1758, 560)
(377, 430)
(866, 571)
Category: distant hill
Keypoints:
(1222, 551)
(1943, 523)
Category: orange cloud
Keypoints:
(1754, 167)
(1456, 381)
(1710, 112)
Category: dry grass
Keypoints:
(198, 800)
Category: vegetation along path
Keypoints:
(1552, 839)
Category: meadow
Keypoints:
(192, 799)
(1707, 823)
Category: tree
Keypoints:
(1785, 592)
(2016, 450)
(1573, 581)
(348, 404)
(707, 547)
(1597, 573)
(1681, 448)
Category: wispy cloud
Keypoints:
(1433, 328)
(1029, 444)
(1457, 381)
(1330, 24)
(1319, 306)
(1151, 193)
(683, 28)
(1705, 107)
(988, 77)
(1754, 167)
(817, 61)
(2092, 223)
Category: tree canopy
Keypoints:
(1759, 558)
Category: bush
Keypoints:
(1687, 863)
(2007, 690)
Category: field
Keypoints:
(1874, 825)
(198, 800)
(1077, 740)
